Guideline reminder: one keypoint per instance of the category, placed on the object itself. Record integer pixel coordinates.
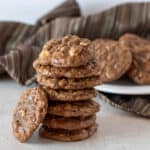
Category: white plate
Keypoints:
(124, 86)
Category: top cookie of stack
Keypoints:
(69, 51)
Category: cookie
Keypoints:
(67, 135)
(68, 84)
(29, 113)
(70, 95)
(74, 109)
(114, 59)
(139, 71)
(70, 51)
(89, 70)
(69, 123)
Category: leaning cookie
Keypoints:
(114, 59)
(75, 109)
(68, 84)
(55, 122)
(140, 69)
(29, 113)
(67, 135)
(70, 95)
(70, 51)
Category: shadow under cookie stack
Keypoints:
(67, 71)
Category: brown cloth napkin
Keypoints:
(21, 43)
(138, 104)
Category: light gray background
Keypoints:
(117, 130)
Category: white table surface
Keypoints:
(117, 130)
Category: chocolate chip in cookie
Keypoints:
(29, 113)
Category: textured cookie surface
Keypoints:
(90, 69)
(64, 83)
(114, 59)
(29, 113)
(67, 135)
(70, 95)
(74, 109)
(139, 71)
(70, 51)
(69, 123)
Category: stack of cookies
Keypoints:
(67, 71)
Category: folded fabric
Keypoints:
(111, 23)
(18, 63)
(138, 104)
(12, 34)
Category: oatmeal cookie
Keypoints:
(91, 69)
(74, 109)
(29, 113)
(70, 51)
(68, 84)
(67, 135)
(139, 71)
(54, 122)
(70, 95)
(114, 59)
